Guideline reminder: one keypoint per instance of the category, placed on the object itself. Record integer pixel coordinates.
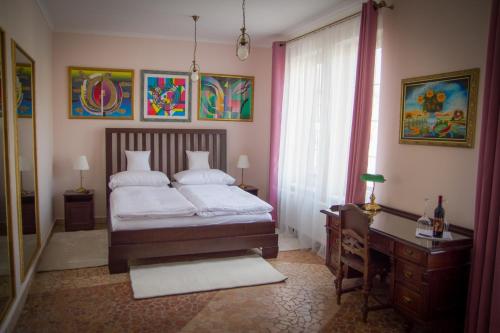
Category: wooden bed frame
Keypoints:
(168, 155)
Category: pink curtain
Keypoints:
(483, 312)
(278, 79)
(362, 112)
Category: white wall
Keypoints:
(23, 21)
(421, 38)
(73, 137)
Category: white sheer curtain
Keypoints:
(320, 75)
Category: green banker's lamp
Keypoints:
(367, 177)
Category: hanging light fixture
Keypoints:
(243, 42)
(195, 69)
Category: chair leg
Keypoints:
(338, 282)
(367, 286)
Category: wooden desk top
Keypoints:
(401, 226)
(404, 229)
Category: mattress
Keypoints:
(118, 224)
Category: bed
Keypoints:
(190, 237)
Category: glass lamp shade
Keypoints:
(194, 75)
(243, 52)
(368, 177)
(81, 163)
(243, 46)
(243, 162)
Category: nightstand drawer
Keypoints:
(80, 198)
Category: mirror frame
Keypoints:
(24, 267)
(8, 222)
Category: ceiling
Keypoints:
(220, 20)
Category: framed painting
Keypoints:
(225, 97)
(166, 96)
(24, 88)
(439, 109)
(101, 93)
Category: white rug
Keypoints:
(201, 275)
(77, 249)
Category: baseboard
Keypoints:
(98, 220)
(10, 320)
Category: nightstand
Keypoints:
(78, 210)
(251, 189)
(28, 212)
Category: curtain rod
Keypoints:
(329, 25)
(381, 4)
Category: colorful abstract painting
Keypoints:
(439, 109)
(166, 96)
(97, 93)
(225, 97)
(24, 100)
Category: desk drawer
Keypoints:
(409, 273)
(408, 300)
(381, 243)
(410, 253)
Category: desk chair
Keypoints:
(355, 253)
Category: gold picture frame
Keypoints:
(123, 79)
(439, 110)
(8, 214)
(211, 81)
(26, 259)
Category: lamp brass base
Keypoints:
(372, 206)
(81, 190)
(243, 186)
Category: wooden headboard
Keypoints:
(167, 146)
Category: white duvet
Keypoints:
(132, 202)
(219, 200)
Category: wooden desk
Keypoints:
(429, 279)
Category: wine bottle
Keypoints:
(438, 222)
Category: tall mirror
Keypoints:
(7, 284)
(23, 70)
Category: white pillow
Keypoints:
(201, 177)
(138, 178)
(197, 160)
(138, 160)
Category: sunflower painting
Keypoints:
(439, 109)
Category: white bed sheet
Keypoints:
(186, 221)
(136, 202)
(217, 200)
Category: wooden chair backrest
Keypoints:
(354, 228)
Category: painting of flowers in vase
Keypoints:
(439, 109)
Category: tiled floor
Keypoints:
(91, 300)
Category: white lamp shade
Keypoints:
(243, 162)
(81, 163)
(24, 164)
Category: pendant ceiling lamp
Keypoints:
(195, 69)
(243, 42)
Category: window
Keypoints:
(318, 98)
(372, 151)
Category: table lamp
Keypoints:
(243, 163)
(367, 177)
(81, 164)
